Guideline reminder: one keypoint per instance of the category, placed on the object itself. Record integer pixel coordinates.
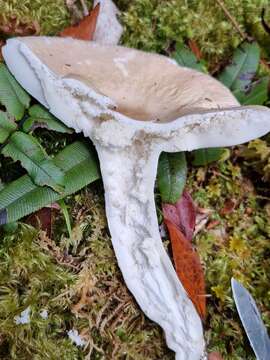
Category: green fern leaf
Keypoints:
(41, 118)
(7, 126)
(22, 197)
(26, 149)
(12, 95)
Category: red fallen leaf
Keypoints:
(228, 208)
(182, 214)
(85, 29)
(43, 218)
(195, 49)
(188, 267)
(214, 356)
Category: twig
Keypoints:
(233, 20)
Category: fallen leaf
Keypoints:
(2, 43)
(195, 49)
(214, 356)
(15, 27)
(182, 214)
(188, 268)
(43, 218)
(228, 207)
(85, 29)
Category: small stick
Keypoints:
(233, 21)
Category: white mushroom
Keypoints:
(133, 105)
(108, 29)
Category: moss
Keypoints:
(155, 25)
(51, 15)
(78, 282)
(109, 315)
(30, 278)
(238, 246)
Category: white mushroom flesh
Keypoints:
(133, 105)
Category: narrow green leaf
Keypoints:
(41, 118)
(256, 94)
(243, 67)
(22, 197)
(12, 95)
(185, 57)
(64, 209)
(172, 174)
(7, 126)
(26, 149)
(206, 156)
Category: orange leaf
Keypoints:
(188, 268)
(214, 356)
(195, 49)
(85, 29)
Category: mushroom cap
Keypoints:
(85, 83)
(143, 86)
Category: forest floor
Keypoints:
(72, 283)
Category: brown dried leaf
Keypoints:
(85, 29)
(214, 356)
(228, 208)
(84, 289)
(2, 43)
(188, 268)
(62, 257)
(17, 27)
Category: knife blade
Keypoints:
(251, 320)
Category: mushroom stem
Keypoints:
(128, 175)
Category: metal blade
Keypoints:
(251, 320)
